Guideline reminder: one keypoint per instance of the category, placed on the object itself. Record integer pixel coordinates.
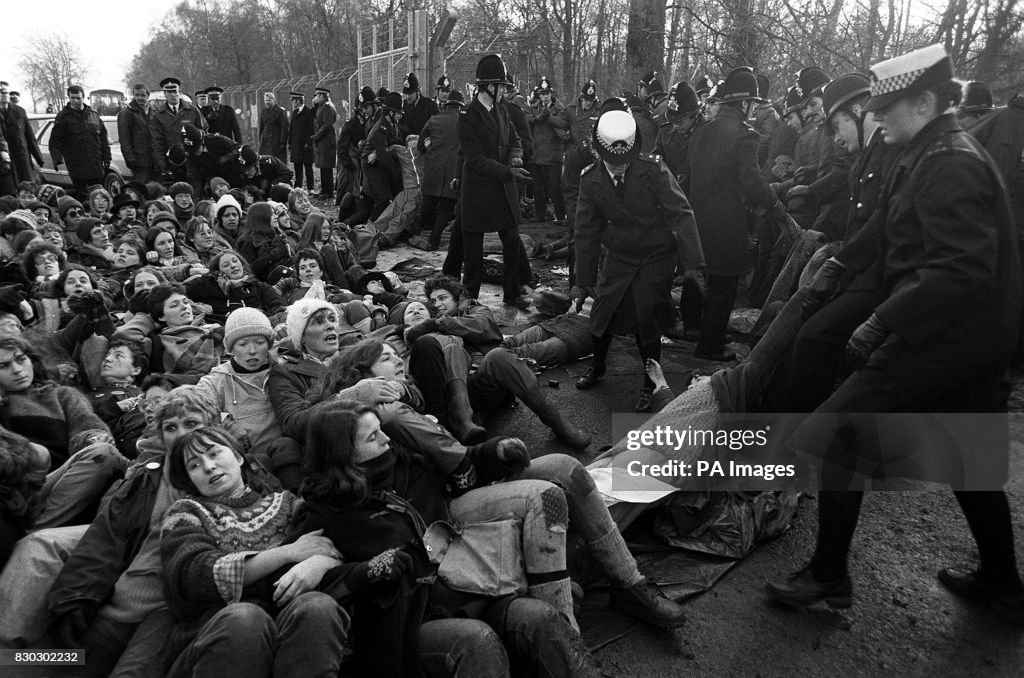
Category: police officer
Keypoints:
(165, 125)
(631, 207)
(726, 182)
(261, 171)
(222, 119)
(416, 108)
(939, 342)
(442, 90)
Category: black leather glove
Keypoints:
(71, 628)
(824, 286)
(137, 302)
(865, 339)
(11, 297)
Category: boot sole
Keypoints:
(840, 602)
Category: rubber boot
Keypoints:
(553, 418)
(460, 415)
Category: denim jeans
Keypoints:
(462, 648)
(539, 344)
(79, 481)
(26, 581)
(304, 640)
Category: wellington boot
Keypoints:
(553, 418)
(460, 415)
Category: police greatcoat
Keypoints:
(724, 183)
(441, 156)
(165, 129)
(415, 116)
(951, 274)
(647, 234)
(325, 139)
(21, 142)
(79, 140)
(223, 121)
(300, 136)
(274, 132)
(489, 199)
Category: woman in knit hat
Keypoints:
(219, 187)
(316, 330)
(227, 541)
(181, 193)
(239, 387)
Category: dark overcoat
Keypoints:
(134, 136)
(725, 183)
(300, 136)
(274, 132)
(165, 129)
(224, 121)
(488, 141)
(646, 235)
(324, 137)
(21, 142)
(441, 157)
(79, 140)
(415, 116)
(950, 269)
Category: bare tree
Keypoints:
(645, 37)
(50, 62)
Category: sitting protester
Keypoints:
(95, 250)
(265, 248)
(307, 280)
(203, 240)
(22, 475)
(239, 387)
(230, 284)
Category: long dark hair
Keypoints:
(311, 230)
(40, 373)
(330, 470)
(259, 226)
(348, 367)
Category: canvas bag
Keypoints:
(484, 558)
(365, 244)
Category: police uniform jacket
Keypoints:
(21, 142)
(725, 182)
(415, 116)
(581, 124)
(547, 126)
(79, 140)
(165, 129)
(441, 158)
(325, 139)
(300, 136)
(224, 121)
(517, 108)
(646, 234)
(488, 142)
(950, 250)
(274, 132)
(1002, 134)
(648, 131)
(134, 136)
(270, 170)
(382, 179)
(673, 146)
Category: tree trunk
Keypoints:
(645, 37)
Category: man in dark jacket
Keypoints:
(352, 134)
(631, 207)
(325, 140)
(726, 183)
(165, 126)
(1002, 134)
(21, 141)
(300, 140)
(273, 128)
(222, 119)
(134, 135)
(416, 108)
(493, 160)
(261, 171)
(79, 139)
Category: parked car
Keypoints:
(116, 176)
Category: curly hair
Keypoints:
(441, 281)
(28, 259)
(21, 478)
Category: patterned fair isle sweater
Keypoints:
(205, 541)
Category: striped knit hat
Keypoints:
(909, 74)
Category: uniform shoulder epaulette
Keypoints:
(945, 144)
(653, 158)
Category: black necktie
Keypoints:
(174, 110)
(620, 187)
